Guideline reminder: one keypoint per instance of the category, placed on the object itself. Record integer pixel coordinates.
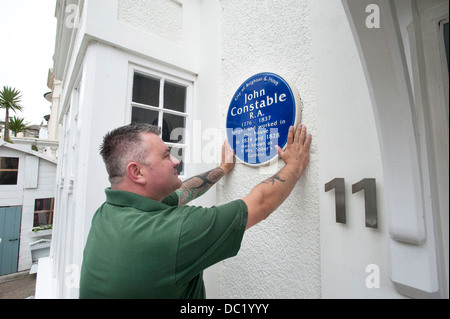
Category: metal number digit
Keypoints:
(370, 199)
(339, 193)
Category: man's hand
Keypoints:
(228, 158)
(296, 154)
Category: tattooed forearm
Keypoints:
(272, 180)
(198, 185)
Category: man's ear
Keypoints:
(134, 173)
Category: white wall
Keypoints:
(135, 14)
(349, 149)
(396, 66)
(280, 257)
(300, 251)
(45, 189)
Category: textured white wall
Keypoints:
(163, 18)
(280, 257)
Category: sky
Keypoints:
(27, 43)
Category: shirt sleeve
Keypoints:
(207, 236)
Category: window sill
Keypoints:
(41, 233)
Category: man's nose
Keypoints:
(174, 160)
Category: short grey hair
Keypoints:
(124, 145)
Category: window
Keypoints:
(43, 212)
(163, 101)
(9, 169)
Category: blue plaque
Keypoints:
(259, 117)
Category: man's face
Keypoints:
(162, 176)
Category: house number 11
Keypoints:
(370, 199)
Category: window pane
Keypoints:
(8, 178)
(178, 153)
(42, 204)
(140, 115)
(173, 126)
(174, 97)
(43, 212)
(38, 204)
(146, 90)
(41, 219)
(9, 163)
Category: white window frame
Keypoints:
(19, 182)
(178, 77)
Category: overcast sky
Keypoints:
(27, 43)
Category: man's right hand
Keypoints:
(296, 153)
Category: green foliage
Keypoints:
(10, 99)
(36, 229)
(17, 125)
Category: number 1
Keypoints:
(370, 199)
(339, 194)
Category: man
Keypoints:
(145, 242)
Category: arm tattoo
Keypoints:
(198, 185)
(274, 178)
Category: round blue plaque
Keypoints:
(259, 117)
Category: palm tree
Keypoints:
(17, 125)
(9, 100)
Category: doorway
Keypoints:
(10, 219)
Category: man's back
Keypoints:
(141, 248)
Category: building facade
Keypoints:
(372, 77)
(27, 194)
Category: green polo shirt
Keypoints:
(141, 248)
